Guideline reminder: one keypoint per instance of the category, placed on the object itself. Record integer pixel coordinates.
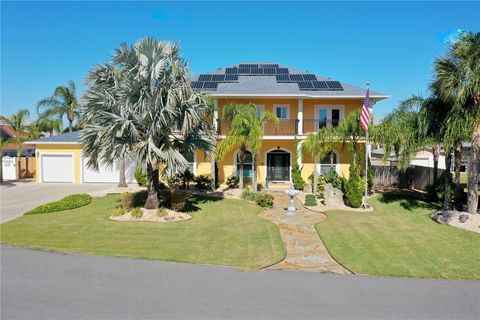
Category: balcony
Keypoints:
(285, 127)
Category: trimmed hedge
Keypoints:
(70, 202)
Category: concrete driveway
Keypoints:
(19, 197)
(45, 285)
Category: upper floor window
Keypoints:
(328, 116)
(281, 112)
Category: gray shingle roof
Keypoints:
(261, 85)
(68, 138)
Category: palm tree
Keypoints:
(18, 122)
(313, 146)
(328, 137)
(154, 117)
(457, 77)
(63, 102)
(350, 130)
(3, 142)
(49, 125)
(246, 132)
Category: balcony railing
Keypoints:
(285, 127)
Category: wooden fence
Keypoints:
(414, 177)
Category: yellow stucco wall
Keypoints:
(74, 149)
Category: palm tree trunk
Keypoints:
(122, 181)
(214, 177)
(436, 156)
(315, 176)
(241, 175)
(448, 178)
(254, 172)
(331, 159)
(152, 186)
(457, 165)
(472, 201)
(70, 125)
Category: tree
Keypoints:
(313, 147)
(47, 124)
(63, 102)
(328, 137)
(3, 142)
(457, 77)
(18, 123)
(351, 130)
(246, 132)
(154, 117)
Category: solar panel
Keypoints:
(282, 70)
(296, 77)
(218, 77)
(309, 77)
(270, 65)
(334, 85)
(256, 71)
(305, 85)
(248, 66)
(205, 77)
(231, 71)
(197, 85)
(320, 85)
(243, 70)
(283, 78)
(269, 71)
(231, 77)
(210, 85)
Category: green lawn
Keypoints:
(222, 232)
(400, 239)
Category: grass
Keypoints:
(400, 239)
(222, 232)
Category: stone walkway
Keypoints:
(305, 250)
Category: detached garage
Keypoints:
(61, 161)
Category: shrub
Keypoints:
(174, 182)
(126, 200)
(436, 191)
(332, 177)
(118, 212)
(161, 212)
(354, 188)
(232, 181)
(70, 202)
(298, 182)
(185, 178)
(264, 200)
(310, 200)
(203, 181)
(370, 178)
(140, 176)
(248, 195)
(177, 201)
(136, 213)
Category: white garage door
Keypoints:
(105, 174)
(57, 168)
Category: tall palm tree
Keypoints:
(18, 122)
(47, 124)
(328, 137)
(457, 77)
(246, 132)
(63, 102)
(313, 147)
(350, 130)
(156, 117)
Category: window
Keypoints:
(281, 112)
(325, 165)
(322, 118)
(190, 157)
(259, 111)
(328, 116)
(335, 117)
(247, 164)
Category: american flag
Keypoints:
(366, 112)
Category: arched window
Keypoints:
(325, 165)
(247, 164)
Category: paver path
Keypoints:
(305, 250)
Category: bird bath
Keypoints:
(291, 210)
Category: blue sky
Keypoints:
(391, 44)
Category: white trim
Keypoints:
(50, 142)
(337, 164)
(41, 154)
(306, 96)
(215, 114)
(300, 116)
(266, 162)
(329, 108)
(235, 156)
(282, 105)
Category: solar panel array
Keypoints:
(306, 82)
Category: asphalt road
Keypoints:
(44, 285)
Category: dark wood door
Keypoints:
(278, 167)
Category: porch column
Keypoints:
(215, 114)
(300, 116)
(299, 154)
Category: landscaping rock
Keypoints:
(463, 218)
(333, 196)
(459, 219)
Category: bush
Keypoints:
(354, 188)
(185, 179)
(310, 200)
(161, 212)
(174, 182)
(118, 212)
(436, 191)
(137, 213)
(232, 181)
(332, 177)
(141, 177)
(248, 195)
(203, 181)
(130, 200)
(70, 202)
(177, 201)
(298, 182)
(126, 200)
(264, 200)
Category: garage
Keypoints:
(57, 168)
(105, 174)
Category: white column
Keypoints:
(300, 116)
(300, 155)
(215, 114)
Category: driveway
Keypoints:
(19, 197)
(45, 285)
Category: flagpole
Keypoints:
(365, 203)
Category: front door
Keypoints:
(278, 166)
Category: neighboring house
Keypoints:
(10, 149)
(422, 158)
(302, 101)
(10, 163)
